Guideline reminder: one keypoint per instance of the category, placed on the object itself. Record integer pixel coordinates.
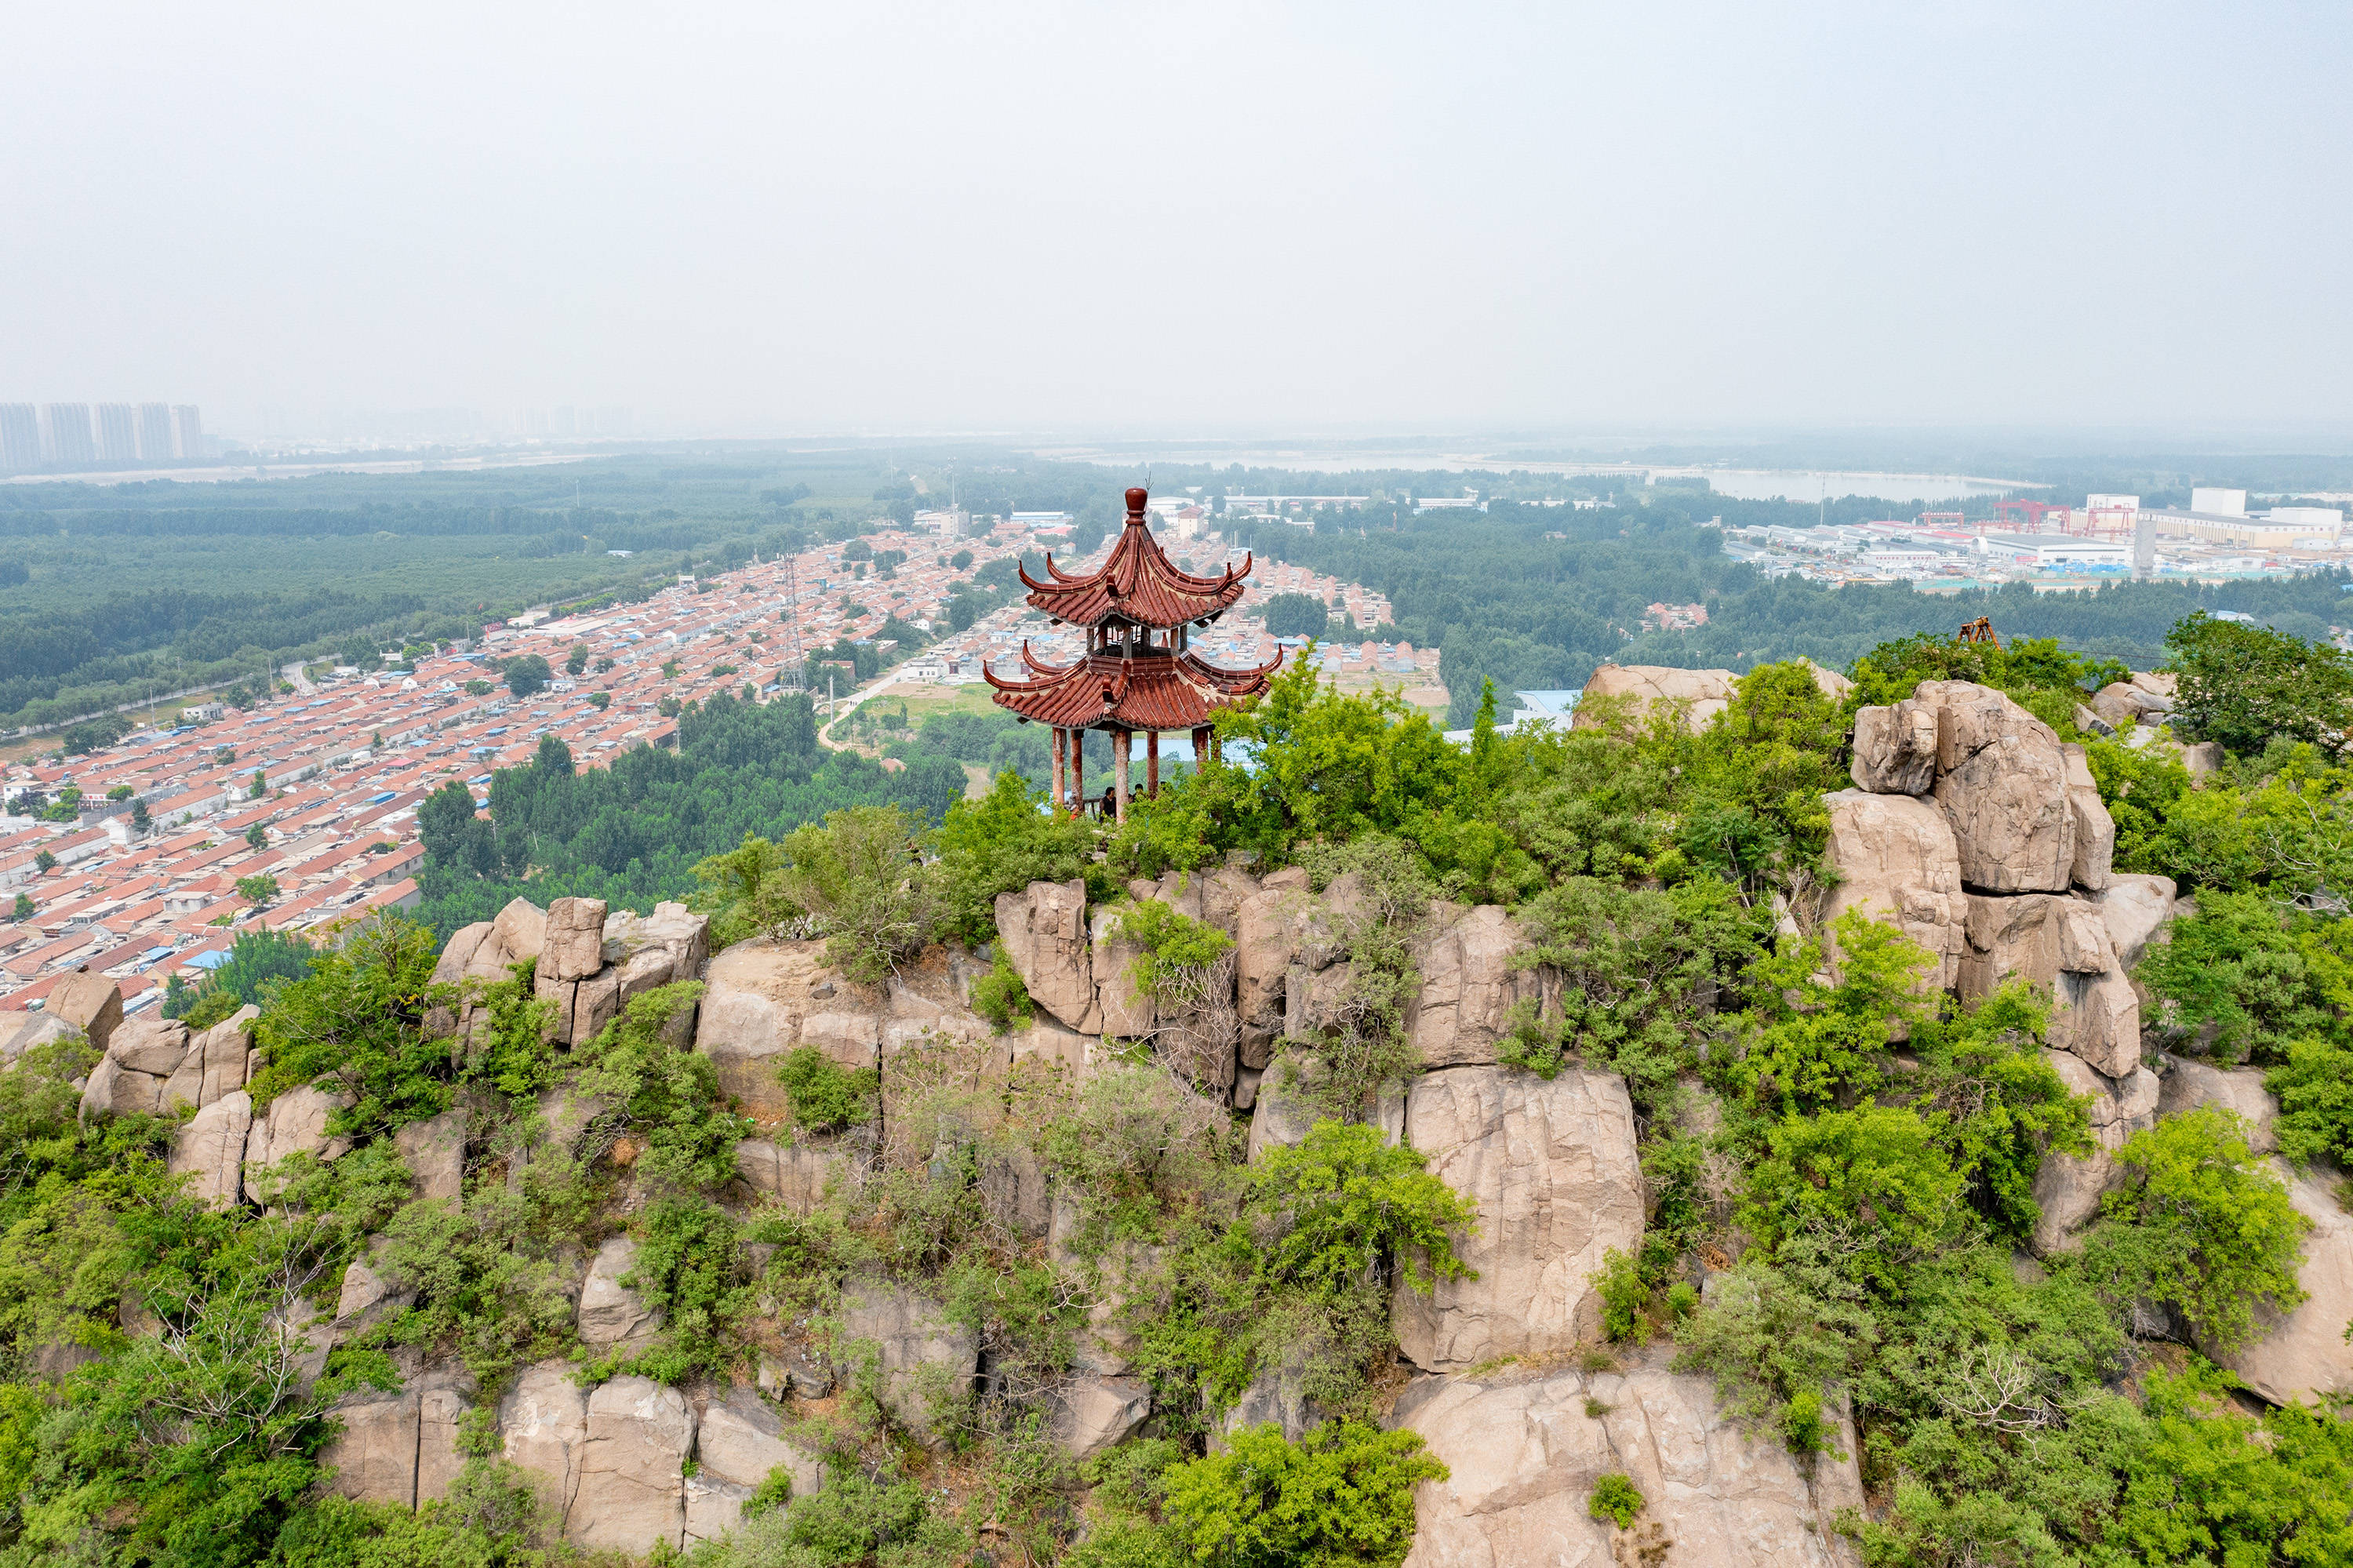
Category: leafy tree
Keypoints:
(1616, 1498)
(258, 888)
(2242, 684)
(24, 909)
(44, 862)
(526, 675)
(1296, 615)
(258, 836)
(140, 820)
(578, 660)
(2203, 1224)
(2211, 1485)
(600, 701)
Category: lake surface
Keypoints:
(1743, 484)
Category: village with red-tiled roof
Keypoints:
(331, 772)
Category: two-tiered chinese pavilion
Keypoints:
(1137, 674)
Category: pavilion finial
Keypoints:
(1136, 497)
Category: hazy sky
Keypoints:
(773, 217)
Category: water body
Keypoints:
(1743, 484)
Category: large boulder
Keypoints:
(435, 1152)
(1552, 1171)
(210, 1149)
(113, 1089)
(2128, 701)
(573, 944)
(2187, 1083)
(156, 1046)
(2094, 828)
(441, 1404)
(1523, 1455)
(519, 932)
(1896, 861)
(294, 1123)
(1121, 1009)
(2002, 782)
(2060, 946)
(1471, 979)
(1697, 695)
(373, 1457)
(1895, 749)
(920, 1351)
(1268, 929)
(1088, 1416)
(1284, 1110)
(2136, 909)
(2304, 1353)
(2068, 1188)
(632, 1481)
(672, 930)
(611, 1312)
(737, 1445)
(23, 1032)
(226, 1050)
(764, 998)
(89, 1002)
(1044, 933)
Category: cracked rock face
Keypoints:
(1524, 1457)
(1552, 1171)
(1897, 862)
(2001, 779)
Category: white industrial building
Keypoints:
(2057, 552)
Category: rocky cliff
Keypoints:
(1969, 826)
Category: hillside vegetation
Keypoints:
(1847, 1162)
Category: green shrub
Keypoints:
(1342, 1495)
(1174, 947)
(1623, 1295)
(825, 1097)
(1001, 996)
(1345, 1200)
(356, 1022)
(1873, 1176)
(864, 885)
(1616, 1498)
(2314, 1086)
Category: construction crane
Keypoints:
(2034, 511)
(1979, 631)
(1939, 520)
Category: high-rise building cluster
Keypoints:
(32, 436)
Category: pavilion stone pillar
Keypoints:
(1120, 755)
(1152, 762)
(1201, 734)
(1078, 773)
(1061, 745)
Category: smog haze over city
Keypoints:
(1219, 219)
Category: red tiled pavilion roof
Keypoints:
(1136, 582)
(1149, 691)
